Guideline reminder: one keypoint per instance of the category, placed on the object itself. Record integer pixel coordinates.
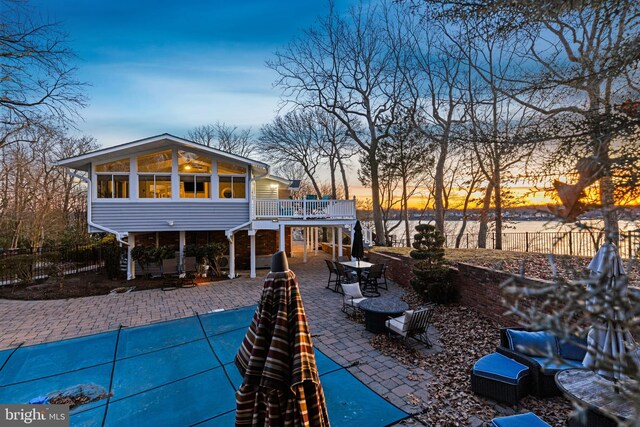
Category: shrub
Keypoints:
(146, 255)
(210, 254)
(19, 266)
(431, 273)
(112, 254)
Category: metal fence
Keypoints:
(33, 264)
(580, 243)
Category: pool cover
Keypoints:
(174, 373)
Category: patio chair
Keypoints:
(189, 270)
(344, 276)
(384, 278)
(343, 259)
(352, 298)
(335, 281)
(413, 324)
(170, 274)
(371, 279)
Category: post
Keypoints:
(526, 238)
(181, 242)
(252, 254)
(131, 264)
(339, 241)
(306, 243)
(351, 240)
(315, 241)
(232, 257)
(157, 239)
(333, 243)
(282, 239)
(291, 242)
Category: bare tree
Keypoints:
(294, 138)
(338, 149)
(224, 137)
(348, 66)
(37, 83)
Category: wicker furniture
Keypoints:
(605, 407)
(500, 378)
(521, 420)
(378, 310)
(542, 365)
(413, 324)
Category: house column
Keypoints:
(351, 241)
(339, 241)
(333, 243)
(131, 264)
(291, 241)
(283, 246)
(232, 256)
(305, 236)
(252, 253)
(181, 242)
(315, 241)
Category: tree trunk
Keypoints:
(439, 187)
(484, 217)
(332, 167)
(345, 183)
(405, 201)
(498, 206)
(609, 211)
(465, 206)
(375, 200)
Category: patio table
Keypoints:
(359, 267)
(604, 404)
(378, 310)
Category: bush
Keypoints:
(146, 255)
(210, 254)
(431, 273)
(112, 254)
(19, 266)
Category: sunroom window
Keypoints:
(232, 181)
(113, 179)
(154, 175)
(195, 175)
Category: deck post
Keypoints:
(351, 241)
(333, 243)
(232, 256)
(339, 241)
(252, 254)
(181, 242)
(283, 246)
(305, 233)
(315, 241)
(291, 242)
(131, 263)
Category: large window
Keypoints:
(232, 181)
(113, 179)
(195, 175)
(154, 175)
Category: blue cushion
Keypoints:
(572, 348)
(532, 343)
(549, 367)
(521, 420)
(500, 368)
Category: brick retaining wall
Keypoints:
(479, 286)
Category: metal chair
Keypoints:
(332, 272)
(413, 324)
(384, 278)
(352, 298)
(189, 270)
(170, 274)
(370, 287)
(344, 276)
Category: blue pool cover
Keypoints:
(175, 373)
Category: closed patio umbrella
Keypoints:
(608, 341)
(357, 246)
(281, 385)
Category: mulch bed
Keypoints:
(465, 336)
(83, 285)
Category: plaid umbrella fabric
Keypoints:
(281, 384)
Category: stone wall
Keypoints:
(479, 286)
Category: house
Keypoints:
(169, 190)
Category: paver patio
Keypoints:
(343, 340)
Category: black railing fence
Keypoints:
(580, 243)
(33, 264)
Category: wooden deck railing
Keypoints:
(304, 209)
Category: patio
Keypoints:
(342, 340)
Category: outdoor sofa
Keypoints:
(544, 354)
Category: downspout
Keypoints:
(119, 236)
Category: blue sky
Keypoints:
(167, 66)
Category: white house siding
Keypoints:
(264, 190)
(156, 216)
